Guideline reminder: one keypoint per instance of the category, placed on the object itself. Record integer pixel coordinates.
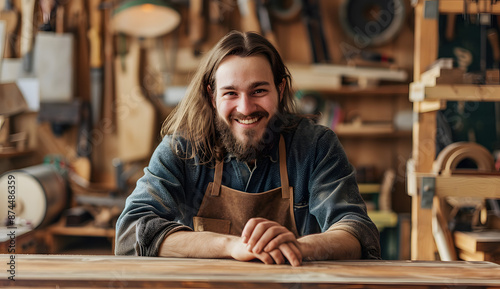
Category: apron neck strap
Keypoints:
(285, 187)
(217, 178)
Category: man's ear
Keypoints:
(281, 88)
(212, 96)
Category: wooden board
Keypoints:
(11, 100)
(26, 39)
(306, 78)
(135, 115)
(484, 186)
(439, 75)
(374, 129)
(479, 256)
(454, 92)
(3, 38)
(53, 66)
(457, 6)
(473, 242)
(44, 271)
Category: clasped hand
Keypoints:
(267, 241)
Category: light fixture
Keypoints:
(145, 18)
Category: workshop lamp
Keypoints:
(145, 18)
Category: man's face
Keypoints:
(245, 98)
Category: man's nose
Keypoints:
(246, 104)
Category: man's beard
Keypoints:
(247, 150)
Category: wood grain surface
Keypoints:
(70, 271)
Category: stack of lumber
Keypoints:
(478, 246)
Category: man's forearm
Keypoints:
(330, 245)
(196, 244)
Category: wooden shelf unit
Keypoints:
(454, 92)
(55, 234)
(427, 100)
(375, 134)
(377, 142)
(381, 90)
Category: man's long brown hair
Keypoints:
(194, 117)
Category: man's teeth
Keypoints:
(247, 121)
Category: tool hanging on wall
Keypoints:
(311, 15)
(450, 27)
(495, 46)
(372, 22)
(109, 91)
(96, 75)
(3, 39)
(255, 18)
(284, 12)
(465, 15)
(135, 114)
(485, 23)
(218, 12)
(197, 25)
(47, 7)
(265, 23)
(82, 164)
(11, 17)
(156, 75)
(28, 8)
(249, 18)
(53, 63)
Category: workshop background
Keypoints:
(86, 85)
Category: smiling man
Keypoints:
(245, 102)
(240, 175)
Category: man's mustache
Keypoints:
(239, 115)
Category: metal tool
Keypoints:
(28, 7)
(11, 17)
(372, 22)
(197, 25)
(485, 23)
(466, 12)
(249, 18)
(288, 13)
(96, 74)
(265, 23)
(312, 19)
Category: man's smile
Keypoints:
(248, 121)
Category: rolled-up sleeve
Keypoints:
(335, 200)
(152, 210)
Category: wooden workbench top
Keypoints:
(69, 271)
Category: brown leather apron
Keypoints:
(226, 211)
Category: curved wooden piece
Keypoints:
(453, 154)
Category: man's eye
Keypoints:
(230, 93)
(260, 91)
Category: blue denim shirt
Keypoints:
(326, 195)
